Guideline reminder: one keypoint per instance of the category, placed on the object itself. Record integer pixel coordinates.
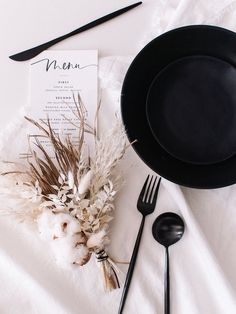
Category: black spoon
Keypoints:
(167, 229)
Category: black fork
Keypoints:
(146, 205)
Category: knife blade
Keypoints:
(32, 52)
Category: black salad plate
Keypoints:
(191, 109)
(179, 102)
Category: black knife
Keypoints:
(30, 53)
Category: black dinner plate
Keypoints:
(184, 74)
(191, 109)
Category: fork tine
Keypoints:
(147, 190)
(141, 195)
(151, 193)
(156, 192)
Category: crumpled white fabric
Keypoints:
(203, 276)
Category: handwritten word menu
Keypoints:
(56, 80)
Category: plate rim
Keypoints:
(191, 184)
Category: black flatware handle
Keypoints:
(131, 267)
(30, 53)
(167, 283)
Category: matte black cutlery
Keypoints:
(146, 205)
(168, 228)
(30, 53)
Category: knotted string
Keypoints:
(101, 256)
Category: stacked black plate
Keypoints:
(179, 102)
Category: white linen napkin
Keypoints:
(203, 277)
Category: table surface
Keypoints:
(25, 24)
(203, 273)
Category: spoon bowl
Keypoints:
(168, 229)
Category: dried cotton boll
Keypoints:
(49, 225)
(73, 226)
(97, 240)
(63, 251)
(52, 226)
(68, 252)
(81, 255)
(65, 224)
(85, 182)
(63, 232)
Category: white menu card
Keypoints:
(55, 76)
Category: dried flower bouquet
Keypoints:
(70, 196)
